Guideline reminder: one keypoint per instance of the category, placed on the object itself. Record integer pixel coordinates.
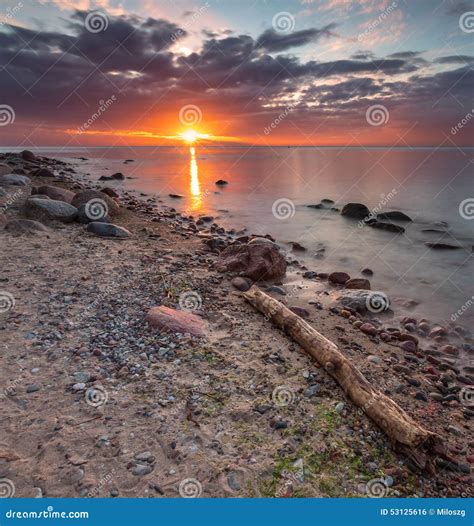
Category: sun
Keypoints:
(191, 136)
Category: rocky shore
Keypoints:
(131, 366)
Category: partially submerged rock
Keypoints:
(364, 300)
(28, 156)
(221, 182)
(338, 278)
(355, 210)
(260, 259)
(395, 215)
(443, 246)
(389, 227)
(108, 230)
(49, 209)
(171, 320)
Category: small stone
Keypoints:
(374, 359)
(242, 284)
(280, 425)
(32, 388)
(141, 469)
(408, 346)
(420, 395)
(339, 407)
(144, 456)
(368, 328)
(82, 377)
(79, 386)
(311, 391)
(339, 278)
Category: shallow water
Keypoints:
(427, 184)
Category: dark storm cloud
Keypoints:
(272, 40)
(59, 77)
(455, 59)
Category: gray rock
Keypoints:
(49, 209)
(14, 180)
(339, 407)
(311, 391)
(82, 377)
(364, 300)
(141, 469)
(144, 456)
(32, 388)
(108, 230)
(79, 386)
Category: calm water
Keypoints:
(426, 184)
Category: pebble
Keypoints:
(311, 391)
(374, 359)
(144, 456)
(82, 377)
(79, 387)
(141, 469)
(32, 388)
(420, 395)
(368, 328)
(339, 407)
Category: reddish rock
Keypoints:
(408, 346)
(259, 259)
(171, 320)
(358, 283)
(368, 328)
(408, 338)
(82, 198)
(450, 349)
(339, 278)
(56, 193)
(242, 284)
(110, 192)
(438, 331)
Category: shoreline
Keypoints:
(167, 240)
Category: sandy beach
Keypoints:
(99, 401)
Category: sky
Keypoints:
(293, 72)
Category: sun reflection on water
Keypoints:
(195, 187)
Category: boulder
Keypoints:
(28, 156)
(389, 227)
(42, 172)
(14, 180)
(56, 193)
(395, 215)
(171, 320)
(108, 230)
(339, 278)
(355, 210)
(25, 226)
(358, 283)
(259, 259)
(364, 301)
(49, 209)
(86, 196)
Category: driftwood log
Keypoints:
(407, 435)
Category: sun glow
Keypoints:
(191, 136)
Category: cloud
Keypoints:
(271, 40)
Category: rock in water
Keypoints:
(443, 246)
(389, 227)
(221, 182)
(25, 226)
(260, 259)
(171, 320)
(94, 198)
(339, 278)
(108, 230)
(56, 193)
(365, 301)
(358, 283)
(395, 215)
(49, 209)
(14, 180)
(355, 210)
